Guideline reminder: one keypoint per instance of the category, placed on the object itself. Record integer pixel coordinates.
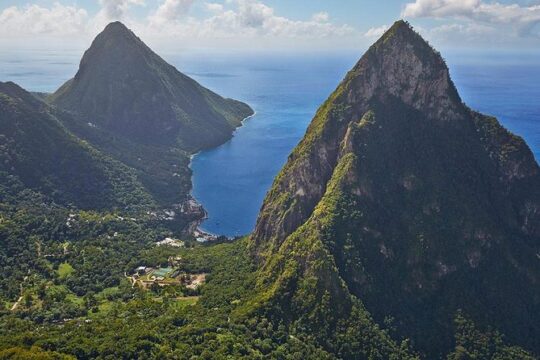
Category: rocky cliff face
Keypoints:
(400, 66)
(124, 87)
(417, 205)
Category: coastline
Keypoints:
(194, 229)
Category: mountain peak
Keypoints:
(9, 86)
(116, 34)
(116, 44)
(125, 87)
(117, 30)
(403, 65)
(401, 35)
(421, 206)
(17, 95)
(115, 26)
(400, 28)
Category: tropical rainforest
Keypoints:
(404, 225)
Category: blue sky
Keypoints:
(317, 24)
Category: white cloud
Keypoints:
(171, 10)
(34, 19)
(321, 17)
(214, 7)
(439, 8)
(376, 32)
(463, 34)
(466, 29)
(237, 22)
(116, 9)
(252, 18)
(521, 18)
(254, 14)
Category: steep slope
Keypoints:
(39, 156)
(401, 196)
(124, 87)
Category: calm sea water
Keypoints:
(285, 91)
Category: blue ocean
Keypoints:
(285, 90)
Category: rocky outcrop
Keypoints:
(401, 65)
(422, 206)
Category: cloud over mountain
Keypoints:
(246, 18)
(523, 18)
(36, 19)
(116, 9)
(236, 21)
(171, 10)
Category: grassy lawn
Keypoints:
(182, 302)
(110, 291)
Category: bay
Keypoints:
(285, 90)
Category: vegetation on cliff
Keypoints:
(435, 215)
(127, 89)
(133, 106)
(403, 226)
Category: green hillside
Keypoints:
(124, 87)
(40, 160)
(404, 225)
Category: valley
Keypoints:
(400, 224)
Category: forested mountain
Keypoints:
(133, 106)
(40, 160)
(87, 192)
(110, 145)
(401, 196)
(403, 226)
(126, 88)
